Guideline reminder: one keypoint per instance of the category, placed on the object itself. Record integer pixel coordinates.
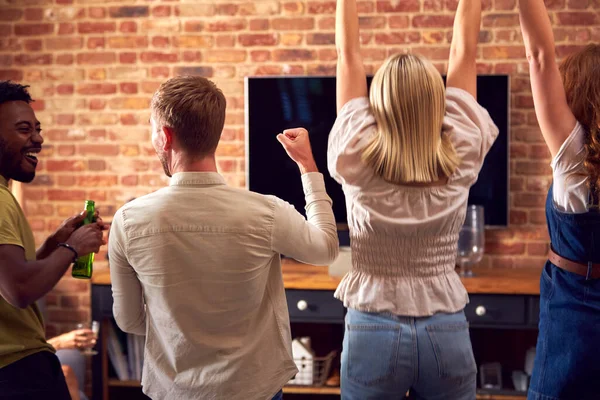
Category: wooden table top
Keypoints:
(524, 281)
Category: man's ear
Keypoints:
(167, 144)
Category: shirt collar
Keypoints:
(196, 178)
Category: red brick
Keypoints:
(433, 21)
(320, 39)
(195, 10)
(537, 249)
(505, 248)
(226, 9)
(128, 87)
(65, 89)
(11, 14)
(96, 58)
(192, 41)
(34, 14)
(326, 24)
(572, 34)
(128, 27)
(539, 152)
(225, 25)
(527, 135)
(128, 12)
(530, 199)
(555, 4)
(99, 149)
(70, 43)
(294, 7)
(65, 119)
(129, 180)
(371, 22)
(505, 4)
(258, 39)
(65, 59)
(159, 72)
(154, 56)
(127, 58)
(397, 38)
(224, 41)
(65, 28)
(33, 59)
(97, 88)
(538, 183)
(501, 20)
(398, 6)
(261, 24)
(96, 43)
(97, 180)
(33, 45)
(33, 29)
(577, 18)
(230, 56)
(399, 21)
(285, 24)
(161, 41)
(130, 103)
(327, 55)
(321, 7)
(260, 55)
(97, 12)
(294, 55)
(532, 168)
(61, 165)
(97, 104)
(537, 217)
(503, 52)
(161, 11)
(433, 5)
(5, 30)
(127, 42)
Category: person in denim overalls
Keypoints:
(567, 105)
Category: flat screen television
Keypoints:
(277, 103)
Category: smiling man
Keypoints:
(28, 367)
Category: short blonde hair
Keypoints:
(194, 108)
(408, 100)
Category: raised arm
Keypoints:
(462, 67)
(351, 80)
(553, 113)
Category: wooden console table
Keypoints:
(500, 298)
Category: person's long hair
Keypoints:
(581, 78)
(408, 100)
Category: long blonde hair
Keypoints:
(408, 100)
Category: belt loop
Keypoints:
(589, 271)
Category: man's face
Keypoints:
(158, 142)
(20, 141)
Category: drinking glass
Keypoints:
(94, 326)
(471, 240)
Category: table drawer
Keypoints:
(496, 310)
(314, 306)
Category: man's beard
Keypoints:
(165, 164)
(11, 168)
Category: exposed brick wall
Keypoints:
(93, 65)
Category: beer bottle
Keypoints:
(82, 268)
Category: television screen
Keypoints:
(277, 103)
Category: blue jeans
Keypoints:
(567, 359)
(384, 356)
(278, 396)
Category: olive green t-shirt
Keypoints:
(21, 329)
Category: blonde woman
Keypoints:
(406, 156)
(567, 106)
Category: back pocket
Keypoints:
(453, 351)
(372, 352)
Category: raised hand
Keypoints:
(87, 239)
(297, 146)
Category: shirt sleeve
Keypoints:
(471, 130)
(351, 133)
(9, 220)
(313, 240)
(128, 307)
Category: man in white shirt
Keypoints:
(196, 268)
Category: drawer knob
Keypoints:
(302, 305)
(480, 311)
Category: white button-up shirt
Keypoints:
(196, 268)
